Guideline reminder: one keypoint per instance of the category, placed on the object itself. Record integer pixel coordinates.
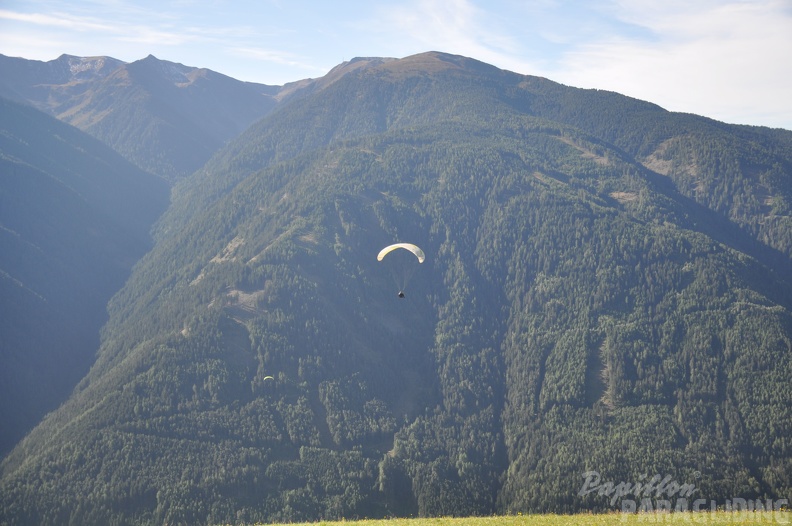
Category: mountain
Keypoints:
(164, 117)
(606, 291)
(74, 218)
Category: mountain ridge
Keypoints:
(163, 116)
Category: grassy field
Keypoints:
(714, 518)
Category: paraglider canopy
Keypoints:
(407, 246)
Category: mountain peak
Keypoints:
(173, 72)
(433, 61)
(426, 63)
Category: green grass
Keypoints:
(713, 518)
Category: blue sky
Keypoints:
(726, 59)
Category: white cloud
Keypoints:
(727, 60)
(61, 20)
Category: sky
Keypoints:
(730, 60)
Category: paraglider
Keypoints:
(402, 266)
(268, 378)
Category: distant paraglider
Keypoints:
(402, 266)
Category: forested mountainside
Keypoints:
(165, 117)
(606, 289)
(74, 218)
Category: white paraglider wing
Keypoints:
(407, 246)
